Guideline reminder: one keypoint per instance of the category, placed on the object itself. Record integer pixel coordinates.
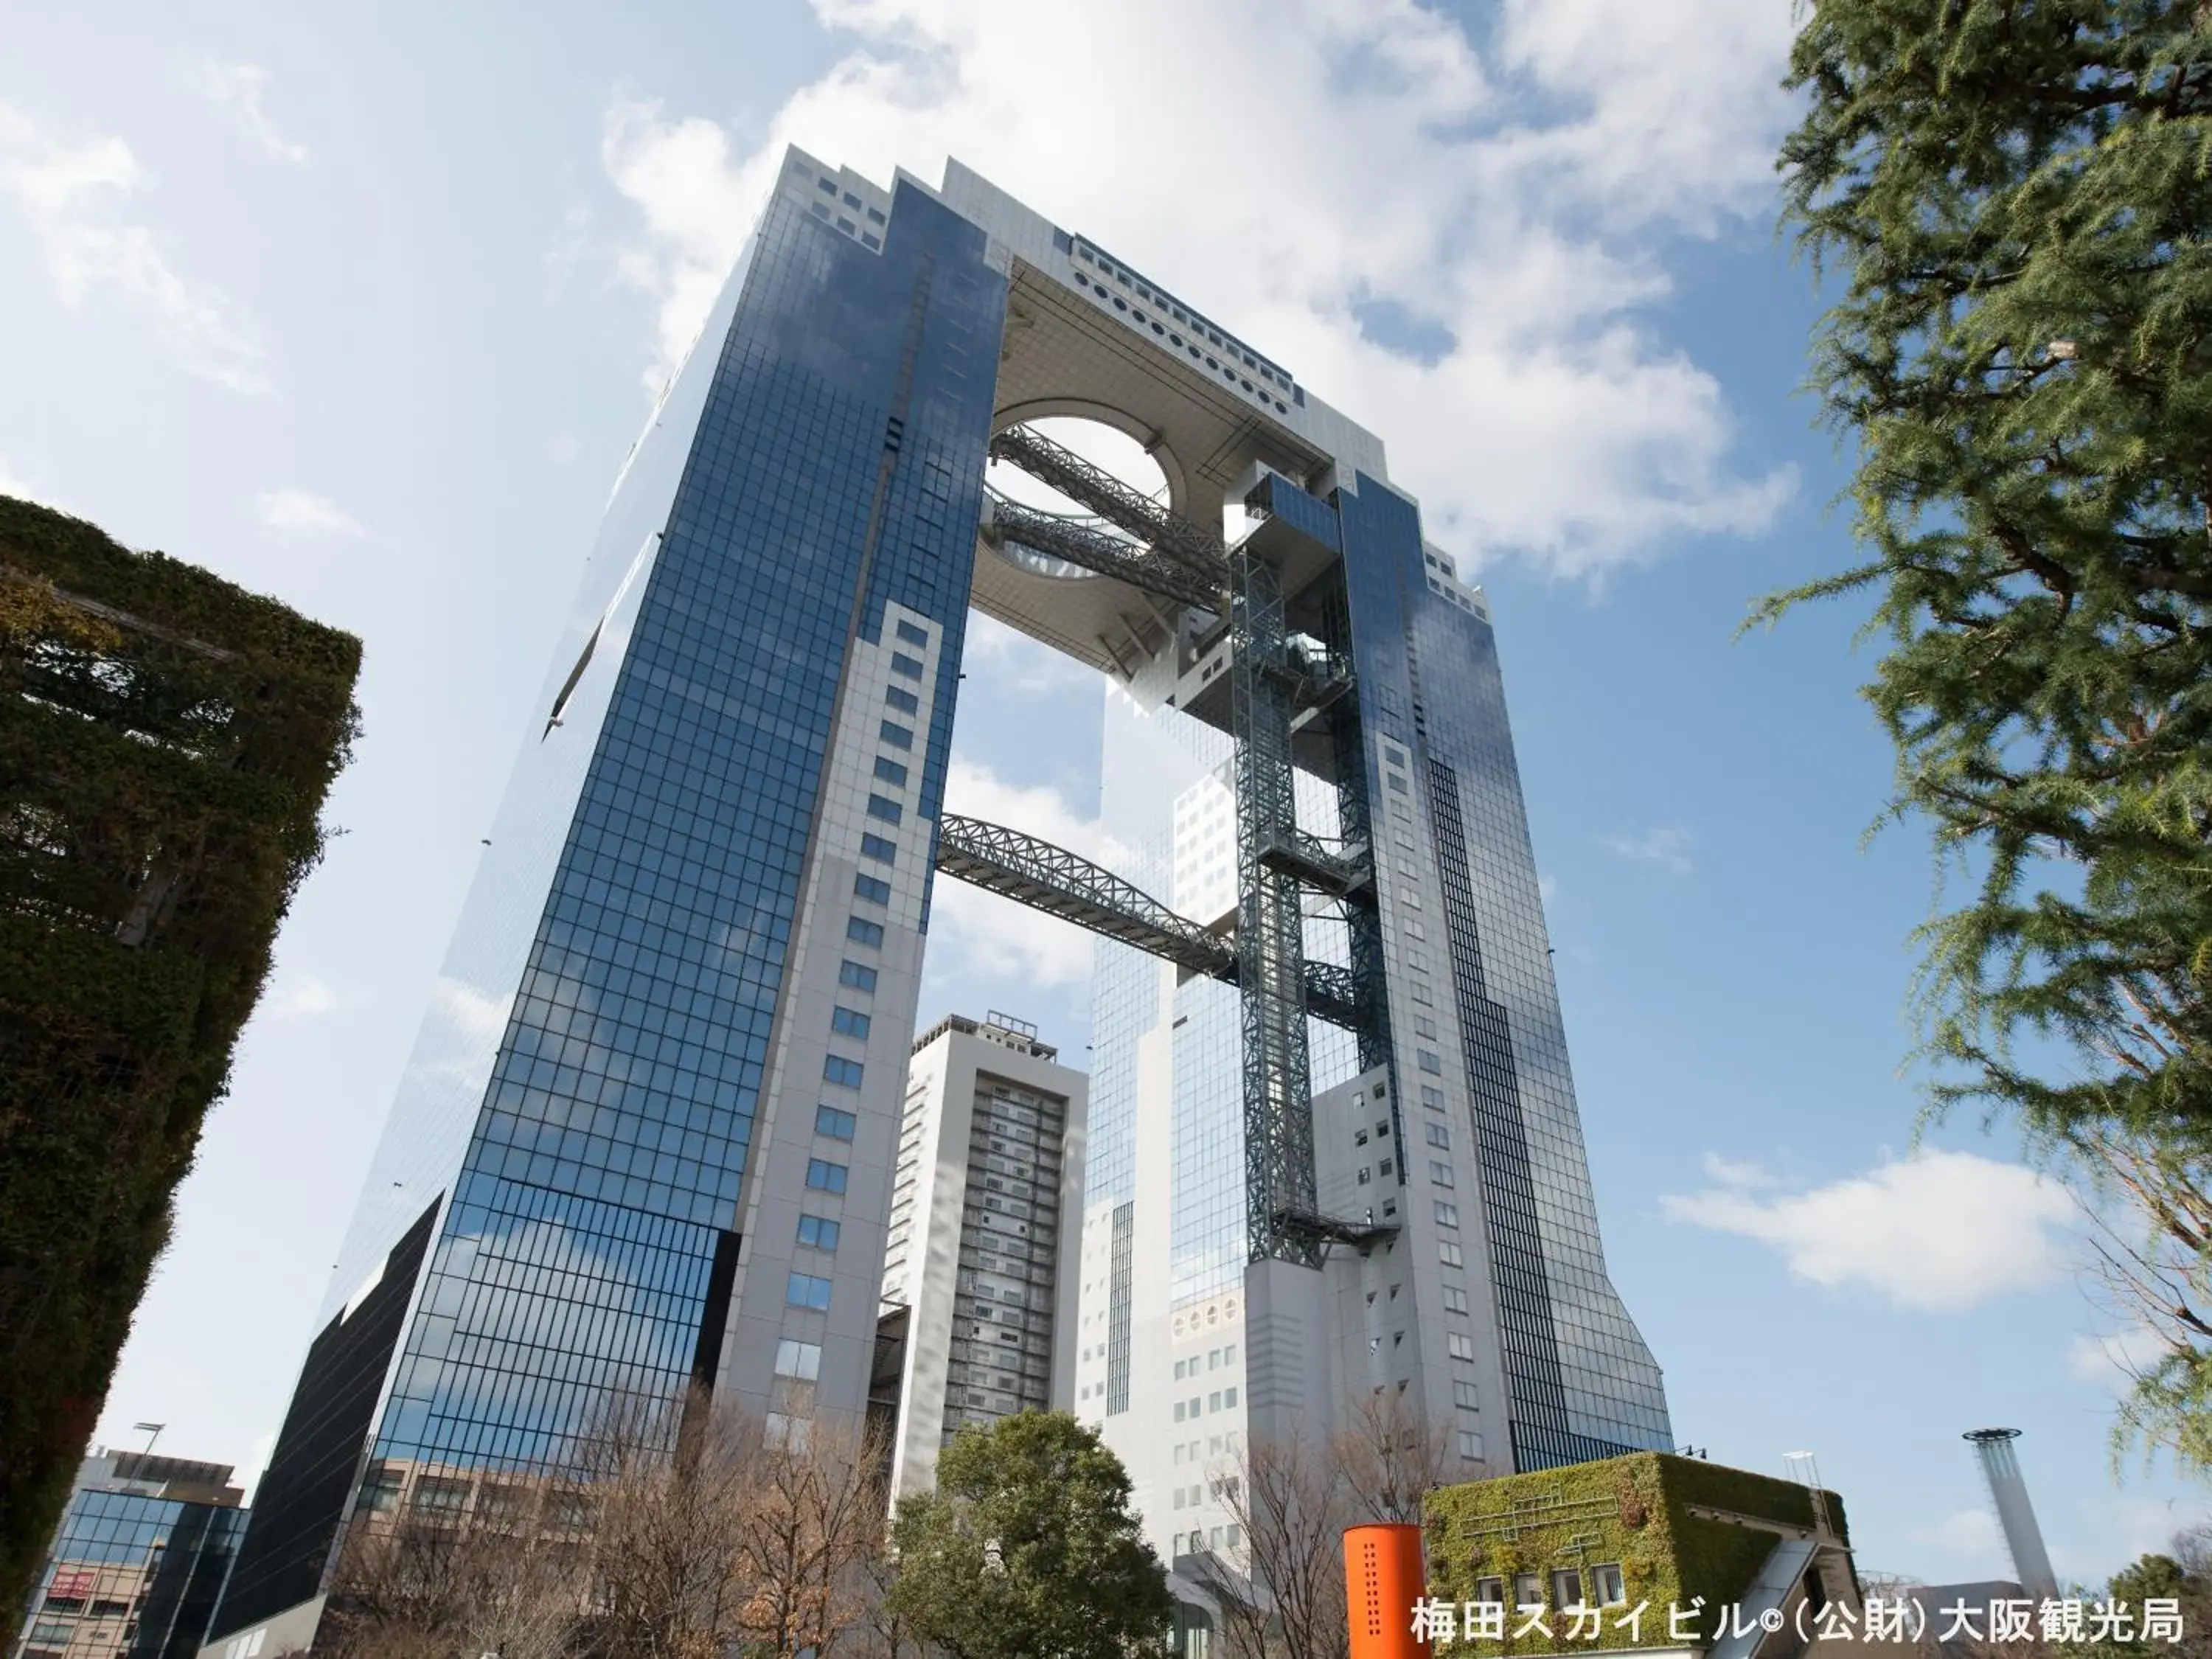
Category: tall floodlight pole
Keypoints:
(2031, 1563)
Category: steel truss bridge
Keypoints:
(1273, 679)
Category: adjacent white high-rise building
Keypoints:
(981, 1245)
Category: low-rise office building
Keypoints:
(135, 1569)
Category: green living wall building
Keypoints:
(166, 740)
(1647, 1533)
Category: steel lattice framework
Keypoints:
(1168, 536)
(1009, 522)
(1050, 879)
(1278, 1167)
(1271, 680)
(1065, 885)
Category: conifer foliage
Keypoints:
(2015, 197)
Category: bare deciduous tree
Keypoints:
(2155, 1260)
(811, 1519)
(1292, 1498)
(1291, 1502)
(422, 1585)
(1390, 1455)
(676, 1531)
(668, 1484)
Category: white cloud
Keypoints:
(1018, 665)
(698, 207)
(2117, 1359)
(1967, 1540)
(70, 194)
(1729, 1173)
(977, 792)
(1935, 1233)
(235, 91)
(476, 1016)
(298, 996)
(1516, 196)
(460, 1041)
(299, 513)
(997, 936)
(1667, 846)
(2111, 1532)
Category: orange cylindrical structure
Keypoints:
(1383, 1579)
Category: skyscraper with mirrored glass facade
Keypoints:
(1335, 1153)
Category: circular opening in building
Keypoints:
(1112, 452)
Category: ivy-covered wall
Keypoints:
(166, 740)
(1633, 1511)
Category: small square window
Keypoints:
(849, 1022)
(903, 664)
(889, 811)
(806, 1290)
(904, 701)
(1527, 1590)
(914, 636)
(853, 974)
(817, 1232)
(873, 888)
(845, 1073)
(838, 1125)
(890, 771)
(801, 1361)
(1566, 1588)
(1611, 1587)
(899, 737)
(824, 1177)
(876, 848)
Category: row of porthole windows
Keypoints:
(1227, 371)
(1265, 371)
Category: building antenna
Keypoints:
(152, 1432)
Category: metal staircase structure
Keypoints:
(1274, 679)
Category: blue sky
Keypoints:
(362, 307)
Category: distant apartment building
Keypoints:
(134, 1571)
(981, 1251)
